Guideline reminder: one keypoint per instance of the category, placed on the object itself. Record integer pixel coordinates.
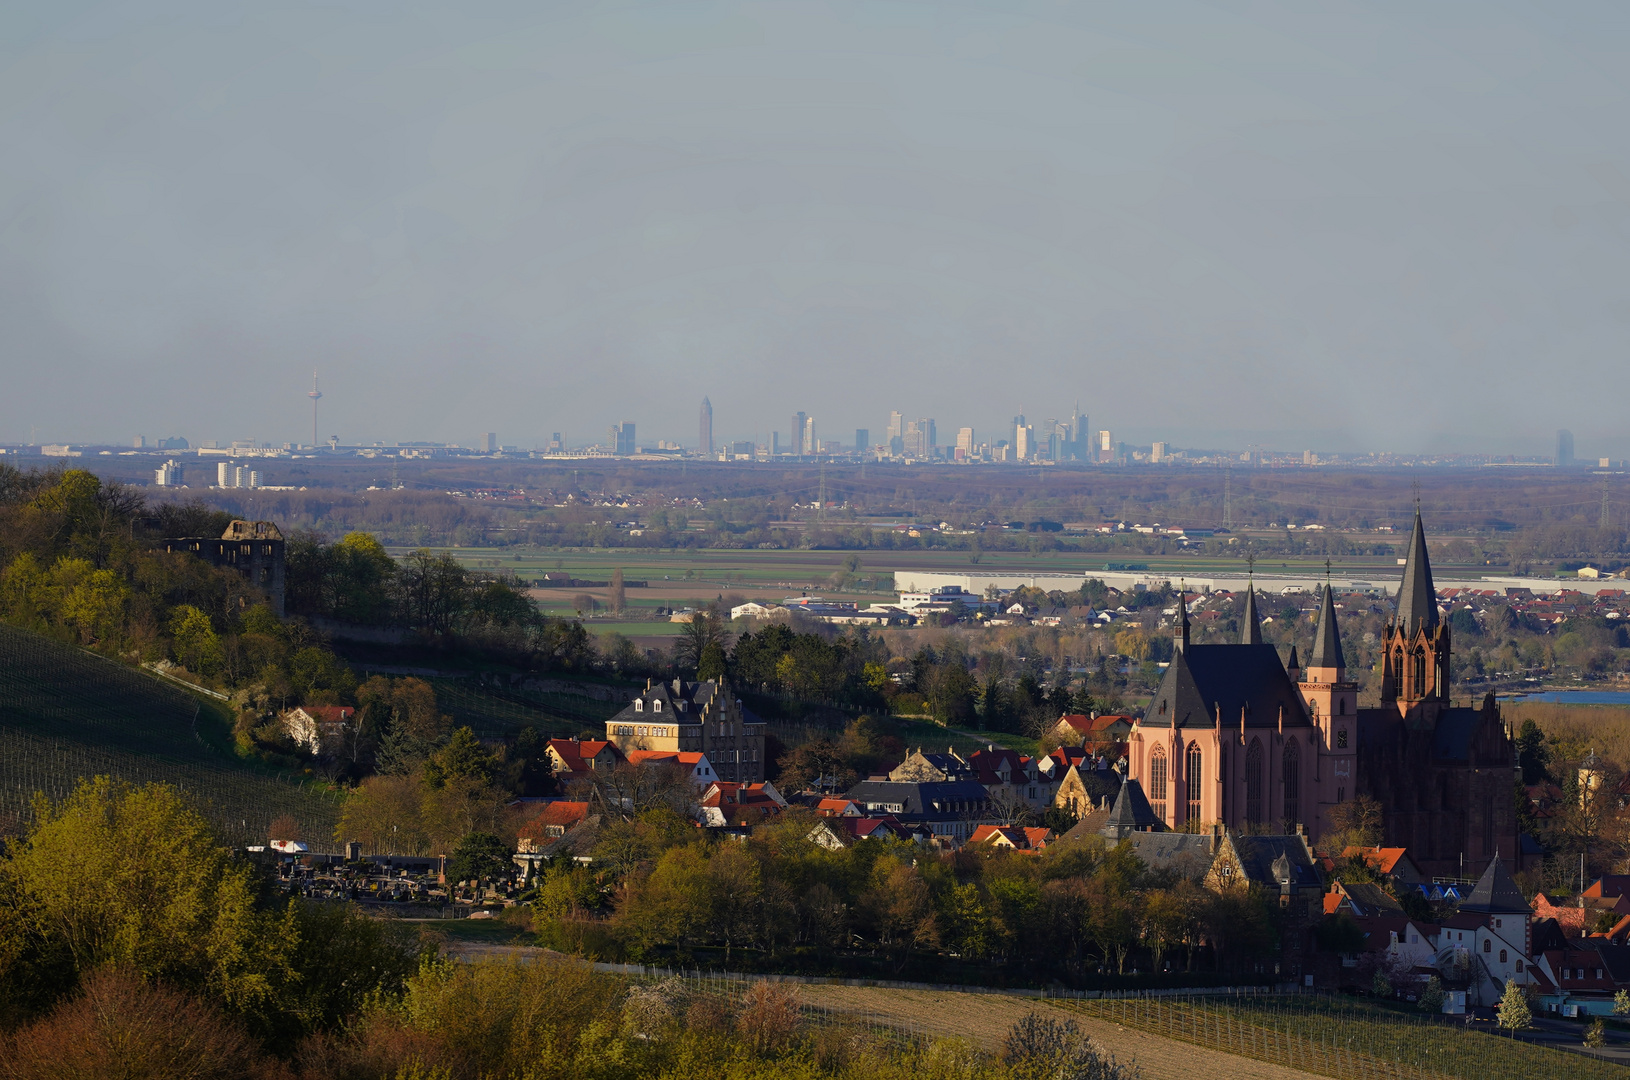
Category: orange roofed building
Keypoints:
(551, 824)
(1017, 837)
(579, 757)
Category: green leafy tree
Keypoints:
(480, 857)
(197, 645)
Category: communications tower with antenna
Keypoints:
(314, 395)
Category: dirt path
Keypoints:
(985, 1018)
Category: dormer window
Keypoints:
(656, 706)
(639, 705)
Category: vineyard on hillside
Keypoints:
(496, 712)
(66, 715)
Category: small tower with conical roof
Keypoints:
(1332, 702)
(1181, 643)
(1415, 646)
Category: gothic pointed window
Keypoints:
(1157, 781)
(1418, 688)
(1193, 768)
(1291, 767)
(1253, 783)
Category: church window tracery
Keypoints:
(1291, 767)
(1157, 781)
(1253, 782)
(1192, 771)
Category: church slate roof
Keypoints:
(1327, 638)
(1205, 679)
(1188, 855)
(1452, 739)
(1496, 892)
(1417, 598)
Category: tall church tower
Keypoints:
(1332, 702)
(1415, 648)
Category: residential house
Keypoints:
(1583, 978)
(1014, 837)
(573, 758)
(728, 803)
(318, 728)
(838, 807)
(921, 767)
(840, 832)
(1361, 900)
(1392, 863)
(693, 763)
(1012, 779)
(951, 809)
(1074, 729)
(553, 822)
(694, 717)
(1281, 865)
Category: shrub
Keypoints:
(120, 1026)
(1037, 1048)
(769, 1016)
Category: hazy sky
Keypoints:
(1333, 225)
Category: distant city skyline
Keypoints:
(1364, 229)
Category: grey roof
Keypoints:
(1250, 624)
(1616, 958)
(1495, 892)
(1372, 899)
(1204, 680)
(1274, 860)
(1327, 638)
(1132, 812)
(945, 800)
(695, 697)
(1182, 621)
(1291, 663)
(1417, 598)
(1187, 855)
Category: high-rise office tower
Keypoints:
(797, 440)
(704, 434)
(931, 440)
(863, 439)
(1024, 442)
(809, 443)
(1564, 448)
(897, 426)
(964, 440)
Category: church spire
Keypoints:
(1417, 599)
(1327, 641)
(1250, 629)
(1182, 641)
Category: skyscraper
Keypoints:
(964, 440)
(704, 434)
(1564, 448)
(810, 445)
(796, 442)
(897, 425)
(863, 439)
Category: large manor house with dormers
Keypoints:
(1238, 736)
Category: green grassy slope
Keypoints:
(66, 715)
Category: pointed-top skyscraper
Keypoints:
(704, 434)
